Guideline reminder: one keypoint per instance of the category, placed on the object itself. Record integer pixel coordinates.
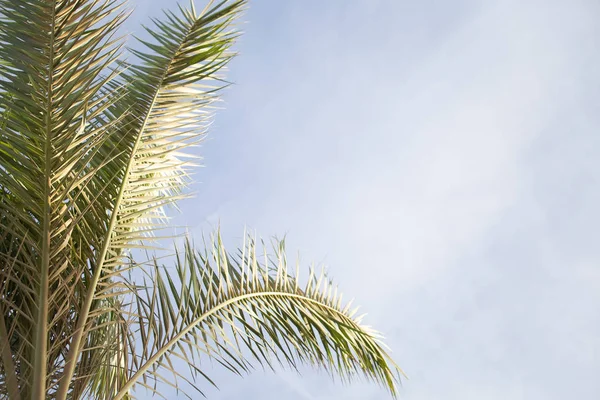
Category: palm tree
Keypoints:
(91, 152)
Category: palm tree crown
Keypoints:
(92, 149)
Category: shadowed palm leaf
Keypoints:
(92, 149)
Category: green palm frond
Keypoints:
(236, 309)
(57, 54)
(164, 109)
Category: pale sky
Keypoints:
(442, 158)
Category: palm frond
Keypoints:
(164, 109)
(57, 54)
(239, 309)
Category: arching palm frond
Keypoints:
(237, 309)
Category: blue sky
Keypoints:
(441, 158)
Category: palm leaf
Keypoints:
(163, 110)
(58, 52)
(240, 309)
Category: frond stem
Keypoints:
(41, 327)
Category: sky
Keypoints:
(441, 158)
